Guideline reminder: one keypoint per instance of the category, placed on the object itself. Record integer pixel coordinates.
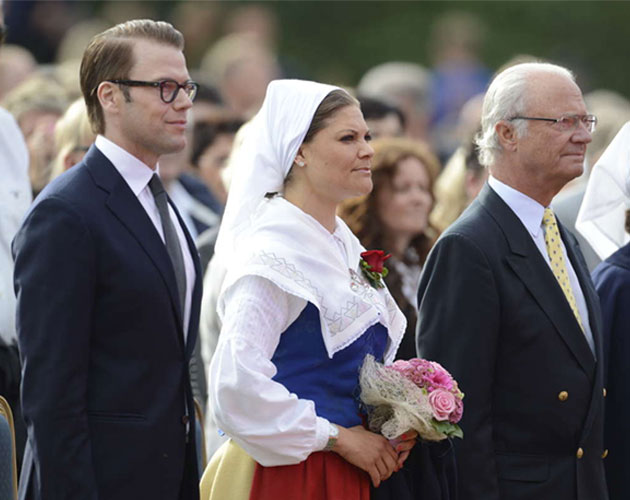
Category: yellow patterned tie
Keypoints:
(556, 258)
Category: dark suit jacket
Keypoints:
(105, 367)
(612, 281)
(493, 314)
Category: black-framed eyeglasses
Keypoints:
(168, 88)
(566, 123)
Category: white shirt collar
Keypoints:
(528, 210)
(136, 173)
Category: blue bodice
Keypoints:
(305, 369)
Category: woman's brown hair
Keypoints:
(362, 214)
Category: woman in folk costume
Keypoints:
(604, 221)
(298, 317)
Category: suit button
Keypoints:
(563, 395)
(580, 453)
(185, 420)
(604, 391)
(605, 454)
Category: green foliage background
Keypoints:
(337, 41)
(340, 40)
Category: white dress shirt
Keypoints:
(15, 198)
(530, 213)
(137, 176)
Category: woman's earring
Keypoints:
(300, 163)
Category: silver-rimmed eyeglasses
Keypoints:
(566, 123)
(168, 88)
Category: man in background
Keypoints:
(15, 197)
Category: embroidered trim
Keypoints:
(339, 320)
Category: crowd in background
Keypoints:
(423, 121)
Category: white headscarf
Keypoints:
(276, 240)
(602, 214)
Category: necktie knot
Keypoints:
(156, 186)
(549, 219)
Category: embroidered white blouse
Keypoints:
(277, 427)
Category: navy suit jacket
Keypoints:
(612, 281)
(492, 312)
(106, 392)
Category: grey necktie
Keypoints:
(170, 237)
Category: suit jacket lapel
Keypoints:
(595, 321)
(590, 294)
(126, 207)
(530, 267)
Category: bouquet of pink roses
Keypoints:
(415, 394)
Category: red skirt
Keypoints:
(322, 476)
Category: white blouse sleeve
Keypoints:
(271, 424)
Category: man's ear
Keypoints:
(109, 96)
(507, 135)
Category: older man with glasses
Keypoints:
(506, 302)
(109, 286)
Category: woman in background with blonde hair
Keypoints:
(394, 218)
(73, 137)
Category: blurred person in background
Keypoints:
(384, 120)
(404, 85)
(199, 23)
(70, 51)
(37, 104)
(476, 174)
(73, 138)
(40, 25)
(211, 146)
(241, 68)
(257, 20)
(260, 21)
(209, 322)
(612, 111)
(604, 221)
(458, 74)
(16, 65)
(394, 218)
(208, 104)
(191, 196)
(451, 196)
(15, 198)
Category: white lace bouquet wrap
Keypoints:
(415, 394)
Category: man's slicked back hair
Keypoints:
(109, 56)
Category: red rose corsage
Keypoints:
(372, 265)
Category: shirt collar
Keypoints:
(528, 210)
(136, 173)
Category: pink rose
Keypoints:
(456, 416)
(443, 403)
(439, 377)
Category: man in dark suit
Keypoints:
(108, 287)
(507, 305)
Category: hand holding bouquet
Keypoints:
(415, 394)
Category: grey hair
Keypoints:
(506, 98)
(390, 80)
